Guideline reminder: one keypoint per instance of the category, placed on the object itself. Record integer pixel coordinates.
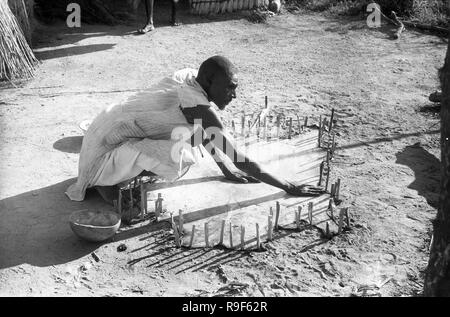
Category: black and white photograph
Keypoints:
(232, 150)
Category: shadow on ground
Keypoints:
(426, 168)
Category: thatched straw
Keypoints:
(22, 9)
(16, 57)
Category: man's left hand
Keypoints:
(240, 177)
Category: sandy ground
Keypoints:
(388, 157)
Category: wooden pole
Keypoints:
(310, 213)
(233, 127)
(243, 124)
(131, 199)
(320, 173)
(333, 188)
(180, 221)
(320, 132)
(328, 170)
(297, 219)
(341, 219)
(206, 235)
(278, 126)
(330, 207)
(290, 128)
(258, 242)
(242, 237)
(299, 124)
(175, 231)
(337, 189)
(120, 201)
(265, 102)
(299, 215)
(305, 125)
(347, 217)
(222, 231)
(231, 236)
(331, 120)
(327, 232)
(277, 214)
(192, 236)
(269, 228)
(143, 200)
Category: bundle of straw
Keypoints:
(23, 10)
(17, 60)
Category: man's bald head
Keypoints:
(217, 76)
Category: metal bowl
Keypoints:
(94, 226)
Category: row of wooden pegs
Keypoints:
(221, 6)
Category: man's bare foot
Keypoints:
(146, 29)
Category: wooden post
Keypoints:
(258, 242)
(269, 228)
(271, 212)
(277, 214)
(231, 236)
(131, 199)
(331, 120)
(265, 102)
(347, 217)
(310, 213)
(243, 124)
(330, 207)
(337, 189)
(115, 205)
(305, 125)
(327, 232)
(264, 129)
(320, 173)
(328, 170)
(233, 128)
(242, 237)
(333, 187)
(341, 219)
(299, 215)
(192, 236)
(299, 124)
(320, 131)
(143, 200)
(120, 201)
(222, 231)
(180, 221)
(175, 231)
(297, 219)
(290, 128)
(206, 235)
(278, 126)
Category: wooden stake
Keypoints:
(269, 228)
(258, 242)
(233, 127)
(320, 174)
(266, 102)
(143, 201)
(264, 128)
(341, 219)
(327, 232)
(131, 199)
(231, 236)
(277, 214)
(192, 236)
(328, 170)
(331, 120)
(175, 231)
(299, 124)
(243, 124)
(333, 187)
(290, 128)
(242, 237)
(330, 207)
(120, 201)
(305, 125)
(347, 217)
(180, 221)
(299, 214)
(222, 231)
(278, 126)
(297, 218)
(206, 235)
(337, 189)
(320, 131)
(310, 213)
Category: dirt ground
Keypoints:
(387, 157)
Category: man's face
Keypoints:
(223, 89)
